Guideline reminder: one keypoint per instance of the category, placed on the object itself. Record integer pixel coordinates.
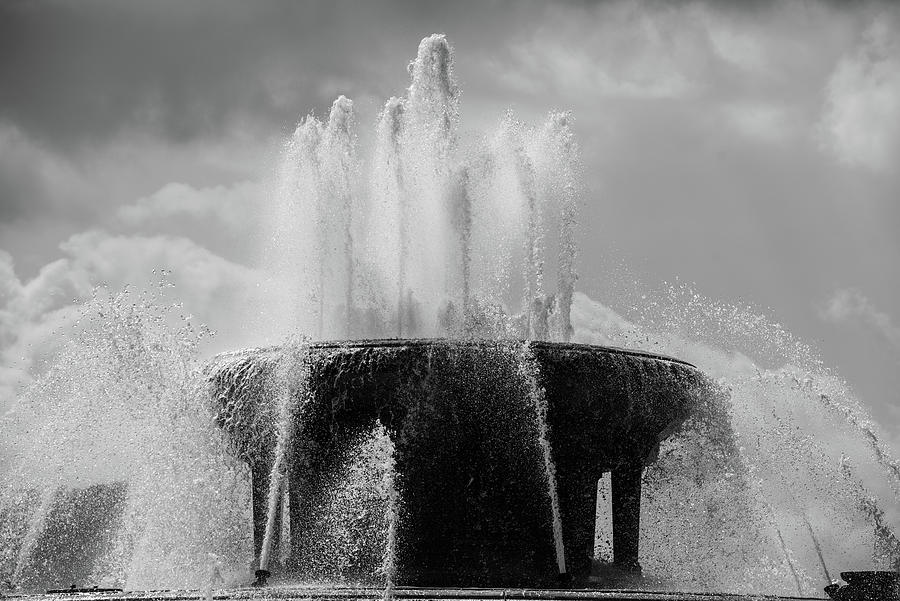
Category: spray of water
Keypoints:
(291, 382)
(528, 371)
(731, 493)
(391, 495)
(437, 240)
(118, 435)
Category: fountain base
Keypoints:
(497, 447)
(292, 593)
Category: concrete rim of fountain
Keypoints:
(366, 343)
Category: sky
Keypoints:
(746, 149)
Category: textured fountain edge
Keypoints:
(436, 594)
(374, 343)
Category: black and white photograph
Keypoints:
(434, 300)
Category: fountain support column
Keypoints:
(626, 515)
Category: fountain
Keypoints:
(497, 445)
(431, 421)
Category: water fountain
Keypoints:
(438, 425)
(497, 445)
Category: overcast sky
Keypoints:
(748, 148)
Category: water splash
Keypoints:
(769, 440)
(392, 514)
(291, 381)
(35, 528)
(127, 388)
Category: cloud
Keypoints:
(227, 205)
(860, 122)
(658, 51)
(36, 316)
(34, 179)
(84, 74)
(848, 305)
(759, 121)
(610, 50)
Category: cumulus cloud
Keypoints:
(224, 205)
(36, 315)
(860, 122)
(637, 50)
(849, 304)
(612, 50)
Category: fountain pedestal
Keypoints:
(476, 505)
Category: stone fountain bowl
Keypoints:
(466, 419)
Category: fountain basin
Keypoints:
(465, 420)
(346, 593)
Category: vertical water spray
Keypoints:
(338, 163)
(562, 141)
(533, 264)
(529, 372)
(35, 527)
(428, 146)
(392, 515)
(462, 220)
(787, 554)
(294, 255)
(818, 547)
(389, 234)
(430, 247)
(292, 380)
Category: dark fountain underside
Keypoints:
(463, 417)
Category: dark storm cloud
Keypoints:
(79, 78)
(86, 70)
(83, 71)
